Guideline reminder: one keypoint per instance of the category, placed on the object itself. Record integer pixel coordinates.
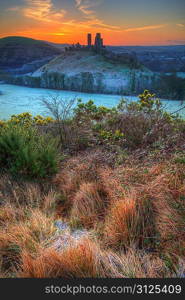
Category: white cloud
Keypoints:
(88, 24)
(41, 10)
(44, 11)
(85, 6)
(145, 28)
(88, 8)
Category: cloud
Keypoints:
(101, 24)
(85, 6)
(15, 8)
(180, 25)
(176, 42)
(40, 10)
(145, 28)
(88, 24)
(58, 33)
(44, 11)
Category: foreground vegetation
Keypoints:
(109, 200)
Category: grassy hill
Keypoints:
(86, 61)
(88, 71)
(16, 51)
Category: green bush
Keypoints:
(180, 160)
(91, 112)
(110, 137)
(23, 151)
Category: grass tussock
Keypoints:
(136, 224)
(26, 221)
(121, 222)
(84, 259)
(130, 222)
(89, 204)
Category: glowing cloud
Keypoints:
(145, 28)
(85, 6)
(42, 11)
(180, 25)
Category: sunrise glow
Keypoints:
(122, 22)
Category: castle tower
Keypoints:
(89, 39)
(98, 41)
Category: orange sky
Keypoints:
(121, 22)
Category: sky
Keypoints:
(121, 22)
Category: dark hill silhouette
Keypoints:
(17, 51)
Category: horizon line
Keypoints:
(108, 45)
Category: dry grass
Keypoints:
(121, 223)
(29, 235)
(10, 214)
(84, 259)
(89, 204)
(111, 184)
(138, 264)
(26, 221)
(135, 215)
(70, 179)
(130, 222)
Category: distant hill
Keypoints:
(25, 54)
(157, 58)
(58, 46)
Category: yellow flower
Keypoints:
(2, 123)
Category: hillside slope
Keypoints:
(24, 54)
(87, 71)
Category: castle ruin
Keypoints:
(98, 41)
(128, 58)
(97, 47)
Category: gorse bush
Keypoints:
(128, 125)
(111, 137)
(90, 112)
(144, 122)
(26, 119)
(23, 151)
(147, 103)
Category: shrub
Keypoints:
(26, 120)
(180, 160)
(90, 112)
(110, 137)
(143, 123)
(23, 151)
